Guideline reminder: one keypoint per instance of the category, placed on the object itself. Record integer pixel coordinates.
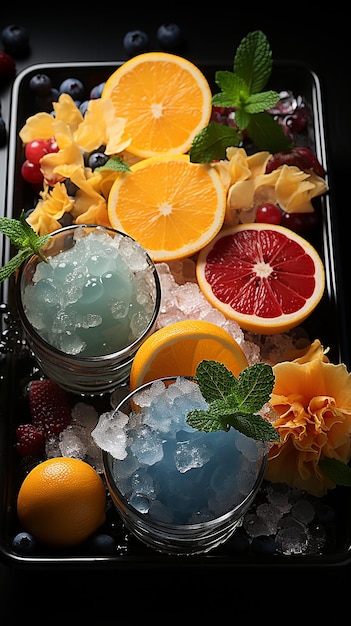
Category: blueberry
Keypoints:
(74, 87)
(15, 39)
(40, 84)
(83, 106)
(97, 159)
(44, 103)
(3, 133)
(96, 91)
(169, 36)
(135, 42)
(24, 543)
(263, 545)
(102, 544)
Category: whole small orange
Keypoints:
(61, 502)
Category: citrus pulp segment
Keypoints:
(264, 276)
(177, 349)
(171, 206)
(165, 100)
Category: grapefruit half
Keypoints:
(265, 277)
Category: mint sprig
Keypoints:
(115, 164)
(243, 90)
(25, 239)
(234, 402)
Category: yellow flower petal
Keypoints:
(90, 211)
(100, 126)
(295, 189)
(49, 209)
(39, 126)
(67, 112)
(257, 163)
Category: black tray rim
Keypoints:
(153, 559)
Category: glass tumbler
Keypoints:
(87, 310)
(179, 490)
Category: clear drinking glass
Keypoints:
(84, 321)
(179, 490)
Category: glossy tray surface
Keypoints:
(17, 366)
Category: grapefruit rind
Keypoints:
(252, 322)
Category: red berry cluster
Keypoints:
(34, 151)
(50, 412)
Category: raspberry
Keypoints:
(49, 406)
(7, 66)
(30, 440)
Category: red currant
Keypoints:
(36, 149)
(31, 172)
(269, 213)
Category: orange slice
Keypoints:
(177, 349)
(265, 277)
(165, 100)
(171, 206)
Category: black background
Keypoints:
(296, 32)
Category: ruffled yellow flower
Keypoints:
(43, 125)
(248, 186)
(75, 135)
(100, 126)
(54, 203)
(313, 400)
(56, 165)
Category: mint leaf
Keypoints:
(242, 90)
(253, 61)
(13, 230)
(211, 143)
(267, 134)
(215, 380)
(254, 387)
(258, 102)
(234, 402)
(337, 471)
(234, 92)
(24, 238)
(13, 264)
(254, 426)
(115, 163)
(205, 421)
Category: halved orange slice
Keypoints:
(165, 100)
(171, 206)
(177, 349)
(266, 277)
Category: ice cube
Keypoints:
(110, 433)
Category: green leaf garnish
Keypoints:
(234, 402)
(337, 471)
(25, 239)
(243, 90)
(211, 143)
(115, 164)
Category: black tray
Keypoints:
(17, 367)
